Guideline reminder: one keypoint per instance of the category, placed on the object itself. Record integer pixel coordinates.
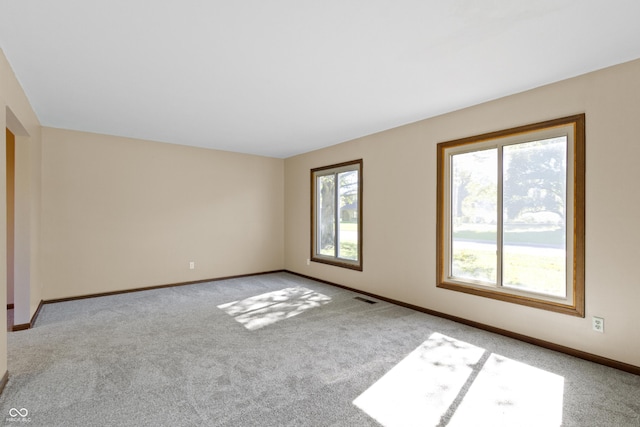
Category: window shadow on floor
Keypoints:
(448, 382)
(262, 310)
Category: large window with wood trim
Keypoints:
(336, 214)
(511, 215)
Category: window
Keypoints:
(336, 215)
(511, 215)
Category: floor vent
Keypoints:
(368, 301)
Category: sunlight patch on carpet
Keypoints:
(512, 393)
(450, 382)
(262, 310)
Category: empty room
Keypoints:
(286, 213)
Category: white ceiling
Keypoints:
(283, 77)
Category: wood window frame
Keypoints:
(575, 305)
(335, 260)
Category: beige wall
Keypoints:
(17, 115)
(400, 212)
(121, 213)
(27, 287)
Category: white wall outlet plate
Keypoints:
(598, 324)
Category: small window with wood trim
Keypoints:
(336, 214)
(511, 215)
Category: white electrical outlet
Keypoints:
(598, 324)
(308, 261)
(192, 265)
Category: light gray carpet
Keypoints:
(279, 350)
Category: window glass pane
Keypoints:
(326, 215)
(474, 215)
(348, 215)
(534, 216)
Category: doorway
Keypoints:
(11, 167)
